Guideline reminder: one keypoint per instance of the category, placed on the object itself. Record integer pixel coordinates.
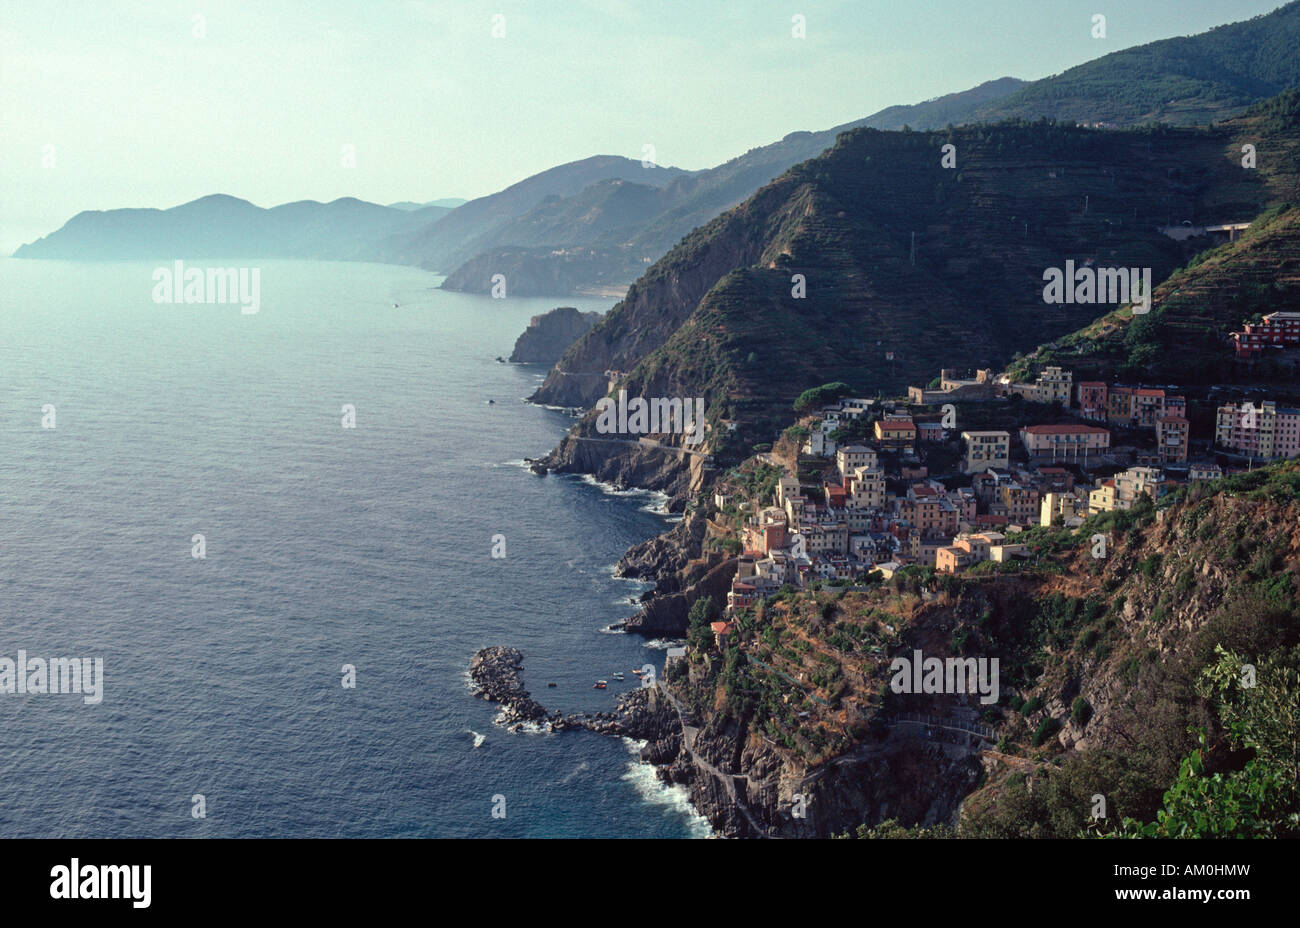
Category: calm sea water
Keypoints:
(325, 546)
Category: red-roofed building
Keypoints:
(742, 595)
(1278, 330)
(989, 520)
(931, 431)
(1148, 404)
(896, 432)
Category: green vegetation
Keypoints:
(890, 829)
(1190, 79)
(1183, 339)
(1080, 710)
(1257, 798)
(817, 397)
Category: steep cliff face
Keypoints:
(748, 788)
(548, 336)
(666, 611)
(790, 729)
(627, 463)
(660, 301)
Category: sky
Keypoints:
(107, 104)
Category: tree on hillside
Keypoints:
(820, 396)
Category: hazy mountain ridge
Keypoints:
(615, 258)
(441, 247)
(567, 230)
(1178, 81)
(221, 226)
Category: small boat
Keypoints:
(618, 676)
(550, 686)
(599, 685)
(637, 673)
(491, 402)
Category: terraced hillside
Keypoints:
(1181, 81)
(1184, 339)
(908, 266)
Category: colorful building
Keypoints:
(1278, 330)
(985, 450)
(1172, 433)
(1092, 400)
(1064, 442)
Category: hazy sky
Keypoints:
(143, 104)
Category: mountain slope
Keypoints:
(1100, 661)
(1178, 81)
(716, 316)
(1184, 339)
(1194, 79)
(589, 258)
(442, 247)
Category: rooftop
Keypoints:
(1065, 429)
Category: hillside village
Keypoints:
(863, 485)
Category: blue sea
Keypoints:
(325, 546)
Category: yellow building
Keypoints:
(985, 450)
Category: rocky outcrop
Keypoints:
(748, 787)
(662, 557)
(665, 614)
(630, 464)
(548, 336)
(497, 676)
(744, 784)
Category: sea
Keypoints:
(346, 460)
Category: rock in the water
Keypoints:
(497, 673)
(549, 336)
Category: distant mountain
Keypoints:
(446, 202)
(221, 226)
(953, 108)
(570, 229)
(440, 247)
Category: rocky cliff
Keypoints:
(548, 336)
